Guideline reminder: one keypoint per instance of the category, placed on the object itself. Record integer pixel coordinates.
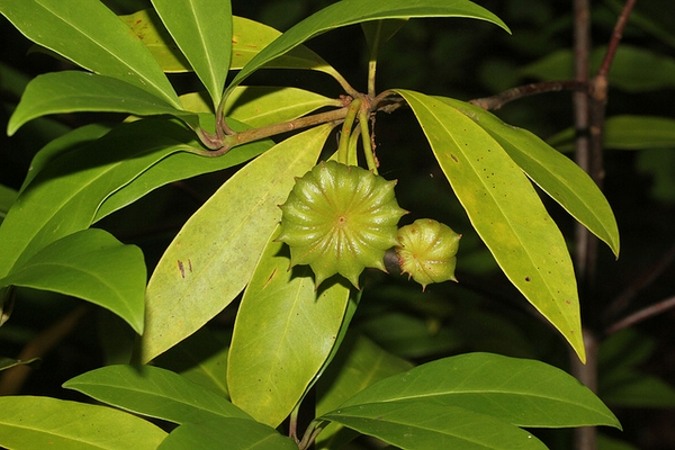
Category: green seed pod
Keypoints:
(427, 251)
(340, 219)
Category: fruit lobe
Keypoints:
(427, 251)
(340, 219)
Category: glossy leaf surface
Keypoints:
(238, 434)
(178, 166)
(154, 392)
(91, 265)
(74, 91)
(506, 212)
(75, 176)
(214, 255)
(424, 425)
(201, 358)
(284, 332)
(91, 36)
(556, 174)
(358, 364)
(203, 31)
(248, 39)
(258, 106)
(522, 392)
(37, 423)
(350, 12)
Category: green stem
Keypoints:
(372, 61)
(343, 146)
(365, 141)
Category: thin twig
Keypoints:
(13, 379)
(646, 277)
(643, 314)
(497, 101)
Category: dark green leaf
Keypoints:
(91, 265)
(627, 72)
(93, 37)
(77, 174)
(522, 392)
(425, 425)
(154, 392)
(73, 91)
(628, 132)
(201, 358)
(202, 29)
(350, 12)
(37, 423)
(233, 434)
(7, 198)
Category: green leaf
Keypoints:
(554, 173)
(627, 72)
(350, 12)
(91, 36)
(420, 424)
(91, 265)
(213, 256)
(506, 212)
(409, 336)
(358, 364)
(238, 434)
(179, 166)
(627, 132)
(37, 423)
(154, 392)
(7, 198)
(283, 333)
(77, 174)
(147, 26)
(523, 392)
(203, 31)
(74, 91)
(248, 39)
(201, 358)
(259, 106)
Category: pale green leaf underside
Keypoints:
(154, 392)
(92, 36)
(283, 333)
(238, 434)
(202, 29)
(556, 174)
(213, 256)
(506, 212)
(423, 425)
(38, 423)
(522, 392)
(350, 12)
(72, 91)
(91, 265)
